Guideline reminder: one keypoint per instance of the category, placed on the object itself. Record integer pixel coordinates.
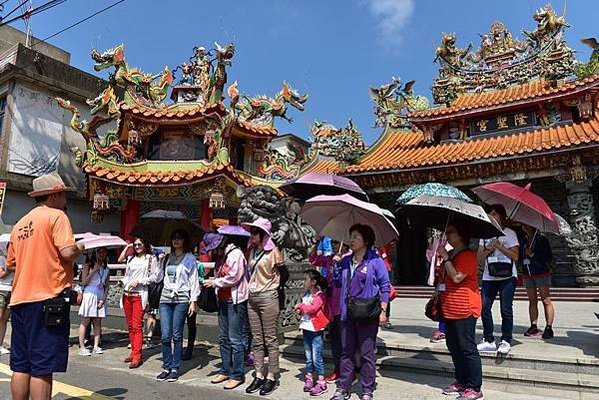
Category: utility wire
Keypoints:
(13, 10)
(29, 13)
(79, 22)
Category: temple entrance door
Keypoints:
(411, 266)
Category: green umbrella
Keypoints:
(432, 189)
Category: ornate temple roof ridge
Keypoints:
(526, 93)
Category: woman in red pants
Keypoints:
(141, 267)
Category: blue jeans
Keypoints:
(172, 321)
(231, 321)
(313, 342)
(506, 289)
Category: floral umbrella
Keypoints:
(432, 189)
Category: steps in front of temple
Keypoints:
(563, 377)
(557, 293)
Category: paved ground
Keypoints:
(106, 376)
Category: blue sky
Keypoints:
(330, 49)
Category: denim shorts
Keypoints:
(531, 281)
(35, 348)
(4, 300)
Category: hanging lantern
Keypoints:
(217, 200)
(101, 202)
(97, 217)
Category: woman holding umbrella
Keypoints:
(364, 282)
(461, 307)
(95, 282)
(536, 256)
(177, 301)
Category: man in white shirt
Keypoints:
(499, 257)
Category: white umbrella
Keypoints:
(92, 241)
(334, 215)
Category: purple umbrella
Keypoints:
(313, 184)
(334, 215)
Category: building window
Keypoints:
(2, 112)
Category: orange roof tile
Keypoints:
(537, 89)
(255, 129)
(323, 167)
(407, 150)
(175, 111)
(125, 177)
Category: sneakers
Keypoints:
(84, 352)
(504, 347)
(173, 376)
(269, 386)
(333, 377)
(366, 396)
(340, 394)
(438, 337)
(163, 376)
(97, 350)
(232, 384)
(548, 333)
(308, 383)
(129, 346)
(220, 378)
(319, 389)
(471, 394)
(256, 384)
(533, 331)
(4, 350)
(388, 325)
(454, 389)
(485, 346)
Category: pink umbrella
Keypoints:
(521, 204)
(314, 184)
(92, 241)
(334, 215)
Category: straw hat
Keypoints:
(48, 184)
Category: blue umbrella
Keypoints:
(432, 189)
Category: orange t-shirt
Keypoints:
(36, 240)
(462, 300)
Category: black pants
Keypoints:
(335, 338)
(461, 343)
(191, 331)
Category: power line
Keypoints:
(80, 21)
(13, 10)
(67, 28)
(34, 11)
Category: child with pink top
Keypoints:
(314, 320)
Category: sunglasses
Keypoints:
(138, 244)
(177, 238)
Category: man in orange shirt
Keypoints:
(41, 253)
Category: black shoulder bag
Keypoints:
(361, 310)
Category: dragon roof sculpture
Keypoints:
(502, 60)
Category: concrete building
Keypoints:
(35, 136)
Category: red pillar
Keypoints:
(129, 218)
(206, 215)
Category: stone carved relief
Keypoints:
(583, 241)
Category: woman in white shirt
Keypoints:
(95, 282)
(178, 300)
(138, 274)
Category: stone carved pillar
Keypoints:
(583, 241)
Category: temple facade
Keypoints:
(512, 110)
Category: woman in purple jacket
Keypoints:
(360, 275)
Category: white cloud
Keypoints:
(392, 16)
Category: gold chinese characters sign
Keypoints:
(501, 123)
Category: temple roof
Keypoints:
(398, 150)
(527, 93)
(322, 166)
(163, 173)
(180, 112)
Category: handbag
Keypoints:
(432, 309)
(362, 310)
(207, 300)
(155, 288)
